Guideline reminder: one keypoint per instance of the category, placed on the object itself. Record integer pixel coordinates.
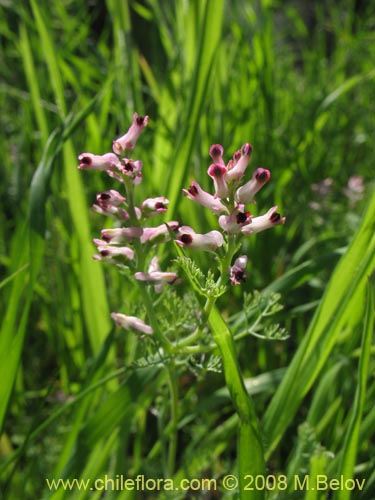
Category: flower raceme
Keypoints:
(228, 202)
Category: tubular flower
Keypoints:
(89, 161)
(155, 275)
(238, 169)
(110, 197)
(217, 172)
(116, 213)
(111, 254)
(187, 237)
(154, 206)
(270, 219)
(238, 271)
(196, 193)
(246, 193)
(216, 153)
(121, 234)
(233, 223)
(131, 323)
(128, 141)
(132, 169)
(158, 234)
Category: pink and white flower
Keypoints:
(154, 206)
(128, 141)
(270, 219)
(131, 323)
(246, 193)
(210, 241)
(196, 193)
(112, 254)
(121, 234)
(110, 197)
(158, 234)
(89, 161)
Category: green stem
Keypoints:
(250, 449)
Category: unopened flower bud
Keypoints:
(216, 153)
(238, 170)
(217, 172)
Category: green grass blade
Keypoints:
(352, 436)
(344, 293)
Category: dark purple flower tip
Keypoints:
(140, 120)
(216, 150)
(236, 155)
(262, 175)
(242, 217)
(247, 149)
(193, 190)
(86, 160)
(216, 170)
(275, 217)
(128, 165)
(187, 239)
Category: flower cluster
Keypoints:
(128, 243)
(229, 202)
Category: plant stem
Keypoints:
(250, 449)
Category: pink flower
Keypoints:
(158, 234)
(121, 234)
(233, 223)
(131, 323)
(116, 213)
(217, 172)
(238, 169)
(155, 276)
(132, 169)
(111, 254)
(196, 193)
(270, 219)
(246, 193)
(129, 140)
(187, 237)
(238, 271)
(216, 153)
(88, 161)
(154, 206)
(110, 197)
